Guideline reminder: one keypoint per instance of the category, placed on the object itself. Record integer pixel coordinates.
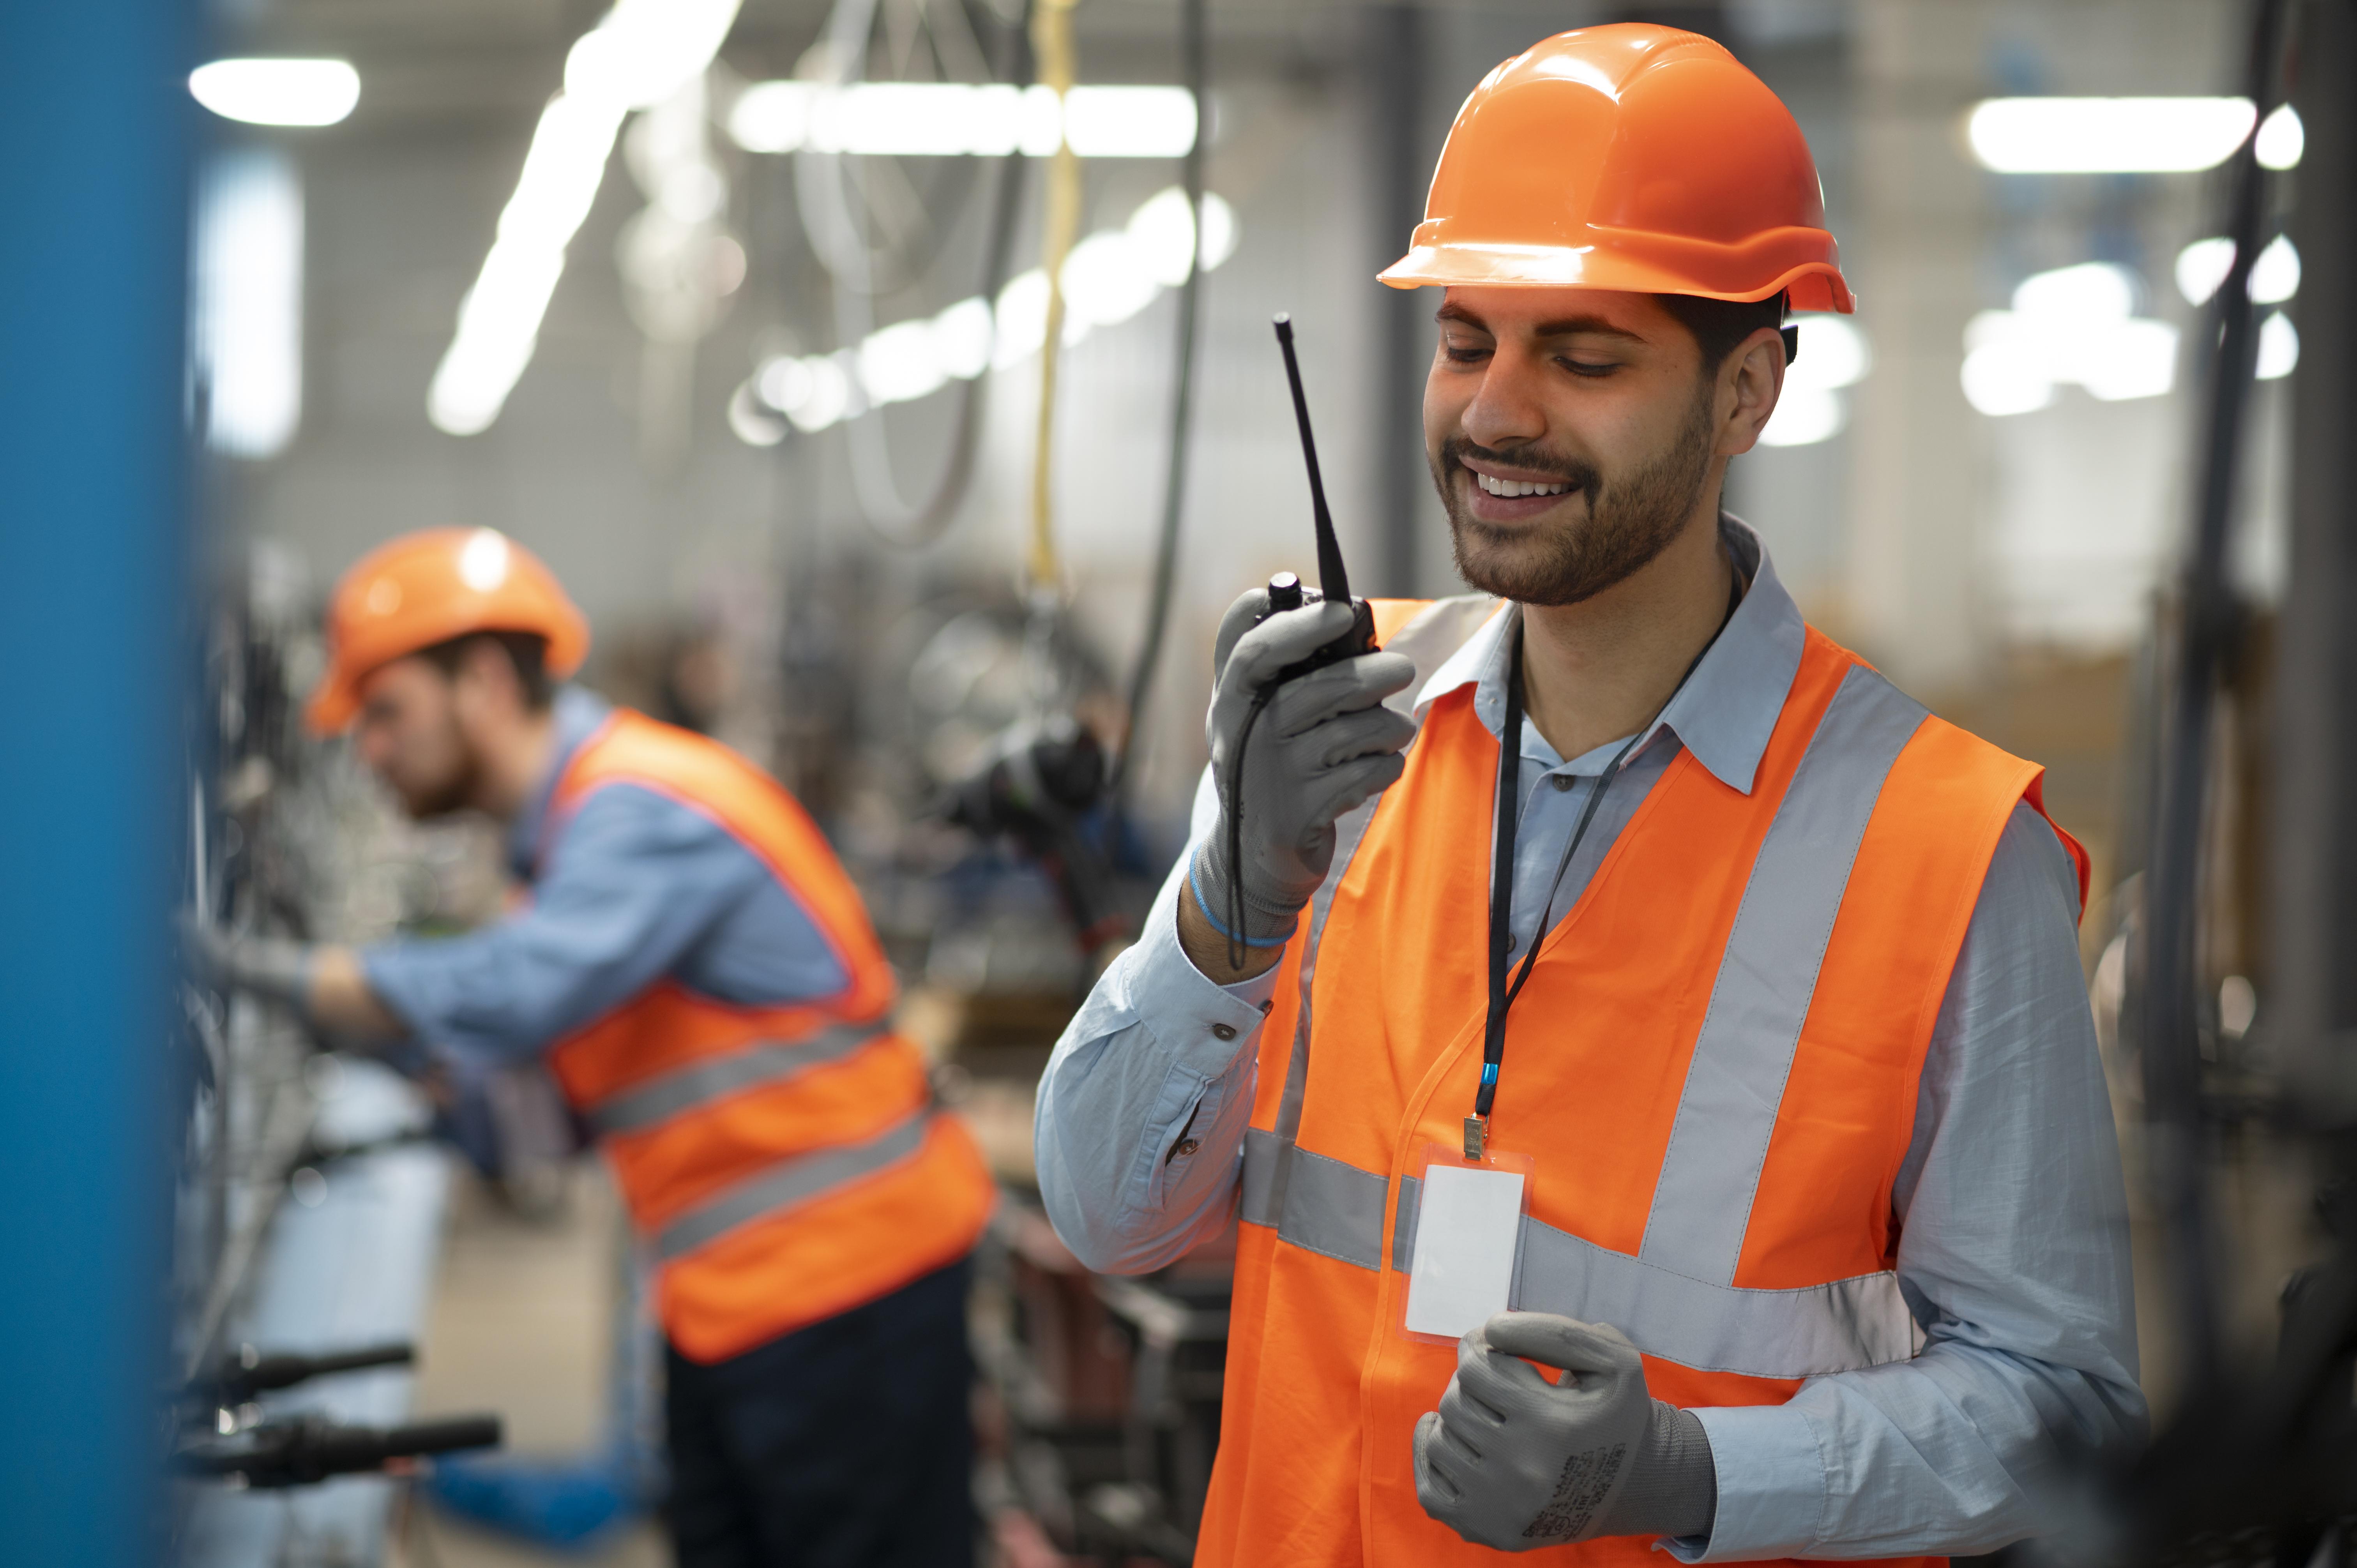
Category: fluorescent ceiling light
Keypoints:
(1803, 417)
(950, 119)
(248, 314)
(645, 50)
(752, 423)
(2000, 380)
(277, 91)
(1833, 354)
(2107, 135)
(1109, 277)
(2071, 326)
(2090, 291)
(2201, 267)
(640, 53)
(2279, 347)
(2282, 138)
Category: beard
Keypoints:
(446, 796)
(449, 784)
(1629, 522)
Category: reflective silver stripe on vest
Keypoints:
(1349, 831)
(789, 1182)
(1710, 1172)
(765, 1061)
(1838, 1327)
(1314, 1201)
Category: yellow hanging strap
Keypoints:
(1052, 43)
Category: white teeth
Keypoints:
(1517, 487)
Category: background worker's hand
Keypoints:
(1324, 744)
(1512, 1461)
(269, 967)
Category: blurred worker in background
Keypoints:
(700, 976)
(1777, 1048)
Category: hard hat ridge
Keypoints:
(1629, 156)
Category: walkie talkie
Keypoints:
(1286, 593)
(1285, 590)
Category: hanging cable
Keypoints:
(851, 262)
(1194, 52)
(1051, 46)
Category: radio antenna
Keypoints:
(1331, 576)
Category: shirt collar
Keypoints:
(578, 713)
(1727, 708)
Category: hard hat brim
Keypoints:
(335, 702)
(1813, 285)
(333, 705)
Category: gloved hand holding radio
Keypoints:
(1512, 1461)
(1293, 760)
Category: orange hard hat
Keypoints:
(428, 587)
(1629, 156)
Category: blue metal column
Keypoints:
(94, 132)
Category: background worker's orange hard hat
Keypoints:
(428, 587)
(1633, 157)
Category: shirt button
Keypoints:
(1186, 1146)
(1563, 780)
(1223, 1031)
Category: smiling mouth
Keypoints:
(1515, 488)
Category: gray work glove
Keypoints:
(1512, 1461)
(1324, 744)
(269, 967)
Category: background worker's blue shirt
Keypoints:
(631, 887)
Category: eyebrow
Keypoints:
(1591, 326)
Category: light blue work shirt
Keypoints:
(2011, 1217)
(631, 886)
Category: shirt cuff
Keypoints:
(394, 982)
(1182, 1003)
(1772, 1485)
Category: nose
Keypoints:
(1507, 410)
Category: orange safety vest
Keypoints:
(786, 1164)
(1714, 1064)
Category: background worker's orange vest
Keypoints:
(786, 1164)
(1715, 1065)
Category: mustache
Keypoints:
(1582, 476)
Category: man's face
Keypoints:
(1572, 435)
(409, 734)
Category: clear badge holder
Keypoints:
(1466, 1262)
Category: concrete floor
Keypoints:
(520, 1325)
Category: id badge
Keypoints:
(1466, 1262)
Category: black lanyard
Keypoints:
(1501, 867)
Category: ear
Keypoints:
(1750, 382)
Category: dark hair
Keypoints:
(527, 651)
(1718, 325)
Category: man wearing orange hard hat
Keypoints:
(701, 977)
(1646, 1051)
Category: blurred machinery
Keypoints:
(2246, 1088)
(309, 1200)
